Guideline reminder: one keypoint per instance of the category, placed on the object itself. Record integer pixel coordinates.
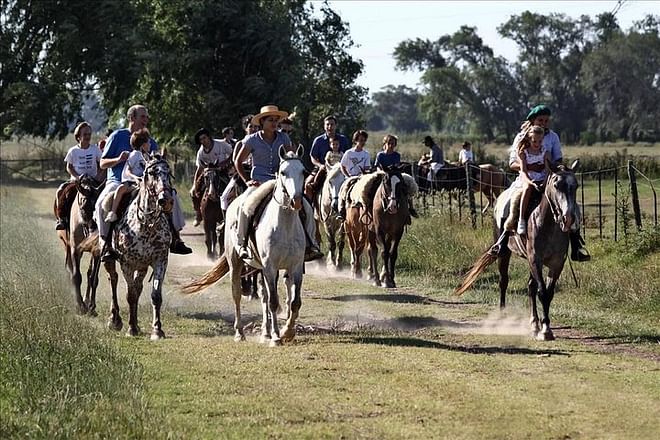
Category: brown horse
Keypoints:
(215, 181)
(546, 245)
(357, 233)
(490, 180)
(80, 224)
(390, 214)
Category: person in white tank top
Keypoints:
(530, 151)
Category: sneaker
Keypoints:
(61, 225)
(111, 217)
(312, 253)
(196, 223)
(580, 254)
(110, 254)
(522, 227)
(179, 247)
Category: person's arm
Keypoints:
(238, 164)
(111, 162)
(313, 152)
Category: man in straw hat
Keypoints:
(263, 146)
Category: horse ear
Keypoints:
(575, 165)
(300, 152)
(282, 152)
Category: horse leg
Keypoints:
(115, 322)
(294, 300)
(157, 300)
(373, 259)
(355, 257)
(532, 287)
(134, 279)
(503, 268)
(546, 294)
(265, 316)
(340, 246)
(332, 245)
(385, 274)
(273, 302)
(209, 239)
(76, 279)
(394, 254)
(92, 284)
(235, 268)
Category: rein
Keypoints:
(144, 213)
(286, 197)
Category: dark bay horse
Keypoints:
(546, 245)
(80, 226)
(390, 215)
(215, 182)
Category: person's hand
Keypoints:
(192, 192)
(124, 156)
(253, 183)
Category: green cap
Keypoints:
(538, 111)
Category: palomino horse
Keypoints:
(80, 225)
(546, 245)
(356, 231)
(142, 236)
(280, 245)
(390, 215)
(328, 212)
(215, 181)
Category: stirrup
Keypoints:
(179, 247)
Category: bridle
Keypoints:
(285, 203)
(556, 212)
(151, 171)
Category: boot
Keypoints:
(108, 253)
(312, 251)
(177, 246)
(578, 251)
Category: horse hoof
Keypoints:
(275, 342)
(238, 337)
(545, 336)
(115, 325)
(92, 313)
(264, 339)
(157, 335)
(82, 309)
(133, 332)
(289, 334)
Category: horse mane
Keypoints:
(366, 187)
(412, 186)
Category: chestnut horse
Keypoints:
(80, 225)
(546, 245)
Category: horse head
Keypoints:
(560, 191)
(394, 189)
(88, 191)
(333, 182)
(290, 178)
(212, 182)
(157, 184)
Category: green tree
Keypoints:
(397, 106)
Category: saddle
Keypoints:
(511, 209)
(124, 204)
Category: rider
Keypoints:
(320, 147)
(113, 158)
(210, 151)
(354, 162)
(82, 158)
(466, 155)
(436, 158)
(388, 157)
(540, 115)
(264, 146)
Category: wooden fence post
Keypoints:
(600, 206)
(634, 194)
(468, 185)
(616, 202)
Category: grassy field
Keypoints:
(367, 363)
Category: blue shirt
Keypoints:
(385, 160)
(321, 146)
(265, 156)
(119, 141)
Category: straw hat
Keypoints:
(268, 110)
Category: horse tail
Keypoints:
(482, 263)
(218, 271)
(89, 244)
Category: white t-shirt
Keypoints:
(84, 160)
(465, 156)
(220, 151)
(136, 163)
(356, 161)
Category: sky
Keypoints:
(377, 27)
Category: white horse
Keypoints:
(279, 239)
(328, 212)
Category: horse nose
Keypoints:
(162, 200)
(296, 202)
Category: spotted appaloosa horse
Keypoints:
(80, 225)
(142, 236)
(546, 245)
(280, 245)
(328, 211)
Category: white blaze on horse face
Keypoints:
(292, 177)
(393, 206)
(565, 187)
